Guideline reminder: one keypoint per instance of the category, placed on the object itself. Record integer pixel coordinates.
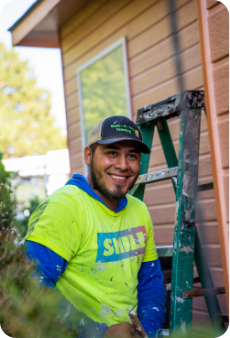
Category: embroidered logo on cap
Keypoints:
(137, 133)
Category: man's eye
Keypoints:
(133, 156)
(113, 153)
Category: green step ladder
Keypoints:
(183, 173)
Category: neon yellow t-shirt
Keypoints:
(104, 250)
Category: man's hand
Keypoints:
(123, 330)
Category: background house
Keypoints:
(38, 176)
(157, 37)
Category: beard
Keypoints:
(98, 185)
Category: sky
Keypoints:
(46, 62)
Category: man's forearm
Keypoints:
(50, 265)
(151, 297)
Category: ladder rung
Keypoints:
(205, 186)
(196, 280)
(155, 176)
(199, 292)
(224, 316)
(164, 251)
(169, 285)
(165, 332)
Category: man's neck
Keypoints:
(111, 204)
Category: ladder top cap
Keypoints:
(171, 106)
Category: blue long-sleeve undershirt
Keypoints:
(151, 298)
(50, 265)
(151, 291)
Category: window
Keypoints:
(103, 87)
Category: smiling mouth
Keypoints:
(119, 179)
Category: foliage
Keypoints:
(6, 201)
(26, 310)
(197, 331)
(23, 224)
(25, 121)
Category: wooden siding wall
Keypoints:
(152, 76)
(214, 32)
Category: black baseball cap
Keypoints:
(117, 128)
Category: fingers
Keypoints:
(137, 324)
(133, 331)
(123, 330)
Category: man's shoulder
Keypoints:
(135, 202)
(67, 190)
(64, 199)
(64, 195)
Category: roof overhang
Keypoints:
(40, 25)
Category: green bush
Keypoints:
(26, 309)
(22, 225)
(204, 331)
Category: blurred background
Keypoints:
(33, 121)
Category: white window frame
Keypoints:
(108, 50)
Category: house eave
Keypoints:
(40, 25)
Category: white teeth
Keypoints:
(118, 177)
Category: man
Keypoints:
(95, 243)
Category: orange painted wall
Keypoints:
(214, 36)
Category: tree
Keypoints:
(25, 121)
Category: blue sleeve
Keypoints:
(151, 297)
(50, 267)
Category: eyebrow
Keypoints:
(109, 146)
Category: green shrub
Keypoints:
(26, 309)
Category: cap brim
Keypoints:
(143, 147)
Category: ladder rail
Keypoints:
(184, 235)
(167, 145)
(206, 283)
(147, 131)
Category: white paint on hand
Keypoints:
(132, 312)
(138, 328)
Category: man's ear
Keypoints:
(88, 155)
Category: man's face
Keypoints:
(114, 168)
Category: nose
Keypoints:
(122, 163)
